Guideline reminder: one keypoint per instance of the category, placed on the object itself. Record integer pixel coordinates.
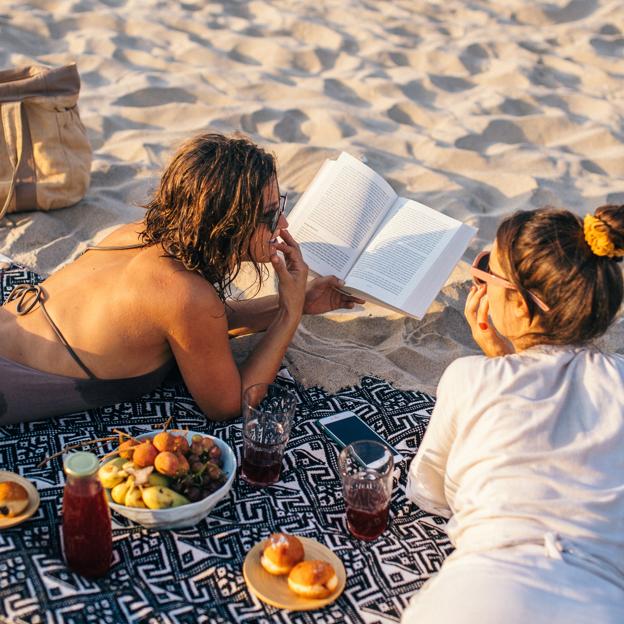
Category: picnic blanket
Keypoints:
(195, 575)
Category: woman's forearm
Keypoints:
(264, 361)
(251, 315)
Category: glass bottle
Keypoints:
(87, 533)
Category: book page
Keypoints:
(405, 250)
(338, 214)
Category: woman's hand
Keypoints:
(484, 333)
(322, 296)
(292, 273)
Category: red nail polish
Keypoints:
(483, 326)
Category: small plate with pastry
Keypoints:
(295, 573)
(19, 499)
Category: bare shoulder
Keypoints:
(128, 233)
(185, 295)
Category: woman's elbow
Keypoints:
(222, 412)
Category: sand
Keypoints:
(475, 108)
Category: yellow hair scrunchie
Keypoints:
(597, 237)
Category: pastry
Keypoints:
(313, 579)
(13, 499)
(281, 553)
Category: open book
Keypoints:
(388, 249)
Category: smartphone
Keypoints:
(348, 427)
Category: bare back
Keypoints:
(109, 307)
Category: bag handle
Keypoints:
(7, 202)
(21, 157)
(13, 143)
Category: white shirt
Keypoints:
(528, 445)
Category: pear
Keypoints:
(134, 497)
(158, 497)
(111, 473)
(156, 478)
(118, 493)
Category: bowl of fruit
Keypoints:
(168, 480)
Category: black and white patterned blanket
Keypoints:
(195, 575)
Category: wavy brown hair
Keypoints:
(208, 204)
(544, 251)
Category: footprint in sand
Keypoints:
(497, 131)
(592, 167)
(452, 84)
(119, 123)
(544, 76)
(156, 96)
(410, 114)
(518, 107)
(340, 91)
(572, 12)
(284, 125)
(288, 129)
(475, 58)
(240, 57)
(608, 46)
(415, 91)
(251, 122)
(392, 58)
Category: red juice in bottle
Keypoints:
(87, 533)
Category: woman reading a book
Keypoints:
(109, 326)
(525, 448)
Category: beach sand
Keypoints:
(474, 108)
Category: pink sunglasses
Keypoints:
(481, 274)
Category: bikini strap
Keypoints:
(114, 247)
(28, 296)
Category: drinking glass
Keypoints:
(366, 470)
(268, 410)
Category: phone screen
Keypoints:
(349, 427)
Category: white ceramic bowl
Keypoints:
(184, 515)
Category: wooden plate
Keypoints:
(33, 499)
(274, 589)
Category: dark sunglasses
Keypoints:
(272, 218)
(481, 274)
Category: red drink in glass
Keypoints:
(367, 513)
(366, 472)
(261, 466)
(87, 534)
(268, 410)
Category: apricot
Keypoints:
(167, 463)
(145, 454)
(126, 449)
(165, 441)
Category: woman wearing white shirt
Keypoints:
(525, 448)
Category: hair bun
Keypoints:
(598, 234)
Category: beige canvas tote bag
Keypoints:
(45, 156)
